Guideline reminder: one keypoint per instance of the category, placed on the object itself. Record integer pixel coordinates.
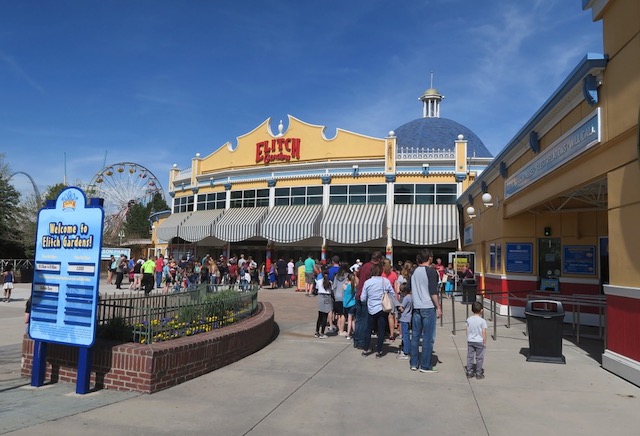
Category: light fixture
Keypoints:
(471, 212)
(425, 169)
(356, 171)
(486, 199)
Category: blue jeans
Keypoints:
(423, 323)
(406, 340)
(362, 316)
(158, 279)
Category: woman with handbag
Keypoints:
(377, 293)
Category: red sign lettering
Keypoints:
(279, 150)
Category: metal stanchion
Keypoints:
(453, 313)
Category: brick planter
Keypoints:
(152, 368)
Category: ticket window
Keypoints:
(549, 263)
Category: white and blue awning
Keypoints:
(170, 227)
(287, 224)
(239, 224)
(425, 224)
(200, 225)
(354, 223)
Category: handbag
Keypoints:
(387, 305)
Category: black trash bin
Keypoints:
(544, 327)
(469, 291)
(26, 274)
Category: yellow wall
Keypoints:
(313, 147)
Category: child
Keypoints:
(405, 309)
(349, 303)
(8, 279)
(476, 341)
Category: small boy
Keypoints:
(476, 341)
(405, 309)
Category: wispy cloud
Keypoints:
(13, 65)
(163, 100)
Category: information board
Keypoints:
(579, 259)
(64, 294)
(519, 257)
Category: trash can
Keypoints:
(26, 274)
(544, 328)
(469, 291)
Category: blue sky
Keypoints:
(155, 81)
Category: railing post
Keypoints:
(453, 314)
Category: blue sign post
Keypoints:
(64, 293)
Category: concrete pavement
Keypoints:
(300, 385)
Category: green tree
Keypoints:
(137, 225)
(10, 233)
(53, 191)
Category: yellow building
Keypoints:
(297, 191)
(559, 206)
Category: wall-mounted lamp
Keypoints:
(486, 199)
(356, 171)
(211, 181)
(471, 211)
(425, 169)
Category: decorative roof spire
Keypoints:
(431, 101)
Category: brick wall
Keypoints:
(151, 368)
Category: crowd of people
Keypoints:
(357, 301)
(376, 299)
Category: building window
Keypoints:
(300, 195)
(250, 198)
(183, 204)
(215, 200)
(358, 194)
(438, 193)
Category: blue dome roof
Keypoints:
(439, 133)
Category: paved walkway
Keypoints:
(299, 385)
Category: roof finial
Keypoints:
(431, 86)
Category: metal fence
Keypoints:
(161, 317)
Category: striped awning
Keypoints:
(292, 223)
(170, 227)
(239, 224)
(354, 223)
(199, 225)
(425, 224)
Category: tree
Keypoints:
(53, 191)
(10, 234)
(137, 225)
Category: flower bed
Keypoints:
(150, 368)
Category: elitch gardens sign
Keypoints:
(64, 294)
(568, 147)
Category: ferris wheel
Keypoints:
(122, 185)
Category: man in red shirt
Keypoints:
(441, 270)
(158, 270)
(362, 313)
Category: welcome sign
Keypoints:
(64, 294)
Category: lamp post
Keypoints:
(121, 235)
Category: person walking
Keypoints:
(426, 309)
(148, 269)
(476, 342)
(113, 264)
(159, 265)
(7, 279)
(123, 265)
(372, 292)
